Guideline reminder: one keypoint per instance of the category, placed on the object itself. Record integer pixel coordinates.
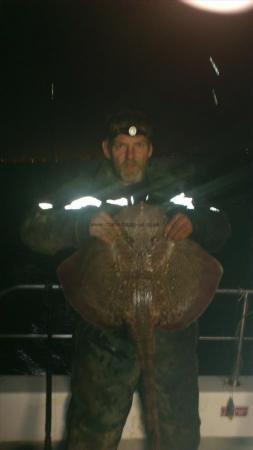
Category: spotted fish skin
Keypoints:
(138, 268)
(142, 332)
(142, 281)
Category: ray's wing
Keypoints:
(189, 285)
(90, 283)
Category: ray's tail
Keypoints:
(142, 331)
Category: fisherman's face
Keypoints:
(129, 155)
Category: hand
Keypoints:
(103, 227)
(178, 228)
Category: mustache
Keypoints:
(130, 163)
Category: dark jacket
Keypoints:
(50, 231)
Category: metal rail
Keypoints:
(42, 286)
(47, 288)
(243, 295)
(69, 336)
(29, 287)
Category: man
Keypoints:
(106, 370)
(129, 153)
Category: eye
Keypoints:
(141, 144)
(120, 146)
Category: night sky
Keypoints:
(107, 55)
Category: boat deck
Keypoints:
(22, 415)
(139, 444)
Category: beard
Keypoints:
(130, 172)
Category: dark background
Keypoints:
(102, 56)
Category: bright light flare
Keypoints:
(119, 201)
(45, 205)
(83, 202)
(221, 6)
(181, 199)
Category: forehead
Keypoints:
(124, 138)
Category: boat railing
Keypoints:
(244, 295)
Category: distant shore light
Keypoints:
(221, 6)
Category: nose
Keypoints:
(130, 152)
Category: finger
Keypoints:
(182, 232)
(99, 222)
(104, 231)
(174, 223)
(101, 218)
(169, 226)
(107, 221)
(116, 228)
(106, 218)
(108, 237)
(181, 229)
